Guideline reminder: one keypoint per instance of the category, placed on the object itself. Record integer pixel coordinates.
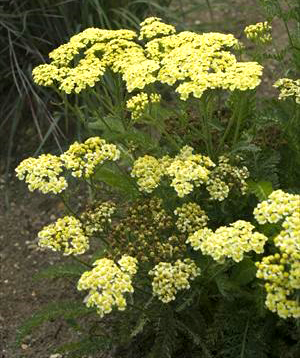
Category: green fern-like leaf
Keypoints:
(193, 325)
(87, 345)
(166, 336)
(65, 310)
(65, 270)
(241, 334)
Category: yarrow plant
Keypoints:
(170, 228)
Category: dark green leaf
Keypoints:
(244, 272)
(261, 190)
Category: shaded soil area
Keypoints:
(20, 294)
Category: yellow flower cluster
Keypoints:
(107, 283)
(278, 206)
(43, 173)
(260, 32)
(148, 171)
(288, 88)
(194, 62)
(140, 103)
(190, 218)
(65, 53)
(82, 158)
(217, 188)
(154, 27)
(282, 270)
(225, 177)
(169, 279)
(282, 273)
(186, 170)
(96, 217)
(66, 235)
(202, 62)
(228, 241)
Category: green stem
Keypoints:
(206, 114)
(244, 339)
(239, 121)
(286, 26)
(139, 309)
(66, 204)
(227, 130)
(81, 261)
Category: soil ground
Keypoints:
(20, 257)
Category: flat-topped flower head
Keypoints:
(288, 88)
(43, 174)
(83, 158)
(170, 278)
(148, 171)
(141, 103)
(96, 217)
(154, 27)
(226, 177)
(66, 235)
(186, 170)
(228, 241)
(108, 284)
(190, 218)
(259, 32)
(281, 271)
(278, 206)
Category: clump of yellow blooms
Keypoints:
(260, 32)
(186, 171)
(96, 217)
(66, 235)
(82, 158)
(200, 62)
(148, 171)
(108, 283)
(170, 278)
(190, 218)
(43, 173)
(278, 206)
(288, 88)
(228, 241)
(282, 270)
(225, 177)
(193, 62)
(154, 27)
(138, 104)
